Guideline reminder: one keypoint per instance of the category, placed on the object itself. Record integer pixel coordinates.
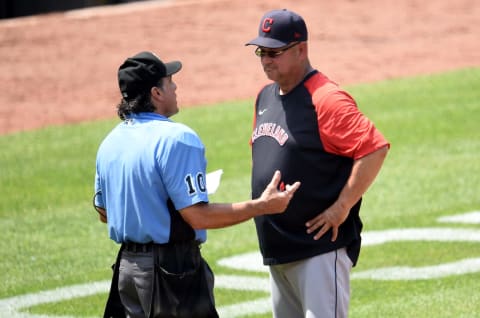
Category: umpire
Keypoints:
(150, 190)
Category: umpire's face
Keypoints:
(164, 97)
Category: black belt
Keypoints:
(148, 247)
(139, 247)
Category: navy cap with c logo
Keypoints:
(279, 28)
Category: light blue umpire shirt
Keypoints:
(141, 163)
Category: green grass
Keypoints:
(51, 236)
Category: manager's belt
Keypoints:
(139, 247)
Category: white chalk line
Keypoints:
(466, 218)
(10, 307)
(465, 266)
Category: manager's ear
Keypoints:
(303, 49)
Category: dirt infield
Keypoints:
(61, 67)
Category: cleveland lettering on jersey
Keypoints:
(270, 130)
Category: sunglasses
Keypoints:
(261, 52)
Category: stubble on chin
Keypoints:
(269, 73)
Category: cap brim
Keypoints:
(173, 67)
(267, 42)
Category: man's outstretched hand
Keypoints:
(275, 200)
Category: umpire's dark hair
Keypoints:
(140, 104)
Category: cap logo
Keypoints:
(267, 25)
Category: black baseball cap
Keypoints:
(141, 72)
(279, 28)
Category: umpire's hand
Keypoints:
(274, 200)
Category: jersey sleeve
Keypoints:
(184, 166)
(343, 129)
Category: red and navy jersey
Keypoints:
(313, 134)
